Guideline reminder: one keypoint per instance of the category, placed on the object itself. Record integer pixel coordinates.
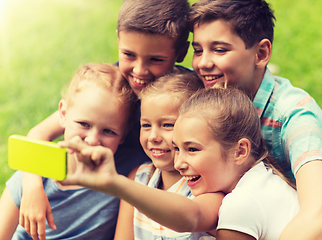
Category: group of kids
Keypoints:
(220, 147)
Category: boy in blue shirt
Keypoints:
(232, 41)
(97, 107)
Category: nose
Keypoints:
(155, 135)
(205, 61)
(179, 162)
(92, 138)
(140, 68)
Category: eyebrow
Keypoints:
(151, 56)
(212, 43)
(188, 143)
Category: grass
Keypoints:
(43, 43)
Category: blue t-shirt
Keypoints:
(83, 213)
(78, 213)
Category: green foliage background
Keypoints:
(42, 44)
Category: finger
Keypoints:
(22, 220)
(42, 230)
(33, 230)
(50, 219)
(27, 226)
(76, 144)
(100, 154)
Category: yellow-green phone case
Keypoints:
(44, 158)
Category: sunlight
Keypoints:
(1, 6)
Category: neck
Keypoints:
(168, 179)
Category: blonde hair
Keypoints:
(180, 85)
(107, 77)
(231, 116)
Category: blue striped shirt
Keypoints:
(290, 122)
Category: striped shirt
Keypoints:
(290, 122)
(146, 228)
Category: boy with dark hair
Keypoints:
(232, 41)
(145, 53)
(152, 36)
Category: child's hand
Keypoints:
(94, 165)
(34, 210)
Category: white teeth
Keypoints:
(210, 78)
(189, 178)
(139, 81)
(158, 151)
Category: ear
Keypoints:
(242, 151)
(263, 54)
(118, 36)
(62, 106)
(183, 52)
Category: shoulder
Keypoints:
(182, 69)
(240, 211)
(144, 172)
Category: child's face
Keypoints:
(95, 117)
(144, 57)
(198, 157)
(221, 55)
(158, 116)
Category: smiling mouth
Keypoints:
(139, 81)
(192, 178)
(159, 151)
(211, 78)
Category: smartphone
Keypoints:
(40, 157)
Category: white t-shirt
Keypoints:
(261, 205)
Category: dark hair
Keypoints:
(162, 17)
(231, 116)
(251, 20)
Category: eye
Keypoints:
(192, 149)
(168, 125)
(109, 132)
(145, 125)
(128, 54)
(197, 51)
(84, 124)
(176, 148)
(157, 60)
(220, 50)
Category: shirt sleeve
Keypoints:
(301, 133)
(14, 185)
(241, 212)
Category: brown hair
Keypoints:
(180, 85)
(162, 17)
(231, 116)
(106, 77)
(251, 20)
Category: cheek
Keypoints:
(71, 131)
(143, 138)
(195, 61)
(112, 144)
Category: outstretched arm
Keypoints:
(309, 190)
(35, 208)
(96, 170)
